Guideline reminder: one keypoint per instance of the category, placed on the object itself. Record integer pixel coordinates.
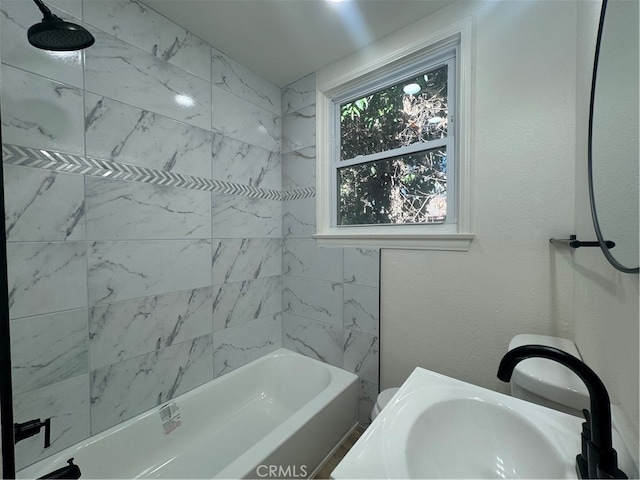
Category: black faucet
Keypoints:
(598, 458)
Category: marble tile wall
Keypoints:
(329, 295)
(151, 231)
(144, 217)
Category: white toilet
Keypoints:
(546, 382)
(384, 397)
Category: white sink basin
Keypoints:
(439, 427)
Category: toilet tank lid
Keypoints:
(549, 379)
(385, 396)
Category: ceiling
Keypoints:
(284, 40)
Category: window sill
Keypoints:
(459, 242)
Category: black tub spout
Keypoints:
(598, 458)
(70, 471)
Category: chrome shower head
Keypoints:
(55, 34)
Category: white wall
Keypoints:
(454, 312)
(605, 300)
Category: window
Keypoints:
(391, 163)
(391, 145)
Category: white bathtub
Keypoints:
(278, 416)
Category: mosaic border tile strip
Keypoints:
(299, 193)
(68, 163)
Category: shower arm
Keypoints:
(44, 9)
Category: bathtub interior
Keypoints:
(228, 425)
(294, 381)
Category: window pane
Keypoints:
(406, 189)
(414, 110)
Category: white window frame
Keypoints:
(417, 67)
(385, 63)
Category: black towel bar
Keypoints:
(574, 243)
